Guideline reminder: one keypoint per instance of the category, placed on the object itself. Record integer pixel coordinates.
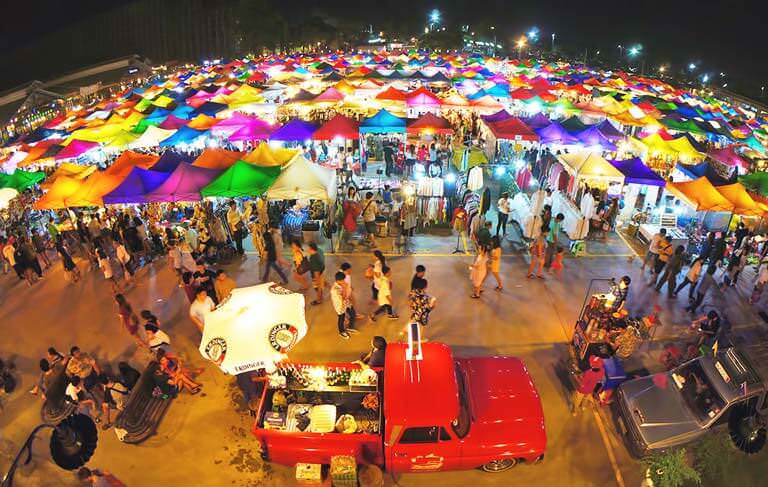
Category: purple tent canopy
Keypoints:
(538, 121)
(168, 162)
(499, 116)
(635, 172)
(295, 130)
(138, 183)
(609, 131)
(593, 137)
(183, 184)
(554, 133)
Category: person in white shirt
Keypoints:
(653, 249)
(503, 208)
(384, 297)
(340, 301)
(370, 210)
(75, 392)
(200, 307)
(124, 258)
(106, 267)
(156, 338)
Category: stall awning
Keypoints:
(743, 204)
(242, 179)
(215, 158)
(700, 195)
(138, 183)
(303, 180)
(636, 172)
(184, 184)
(383, 123)
(338, 127)
(590, 165)
(264, 155)
(293, 131)
(430, 124)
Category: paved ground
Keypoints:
(204, 440)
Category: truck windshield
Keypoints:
(461, 424)
(698, 392)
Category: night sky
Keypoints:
(721, 36)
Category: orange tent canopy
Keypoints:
(391, 93)
(61, 189)
(217, 159)
(743, 204)
(130, 159)
(430, 124)
(700, 194)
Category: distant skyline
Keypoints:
(44, 38)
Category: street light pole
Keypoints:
(553, 42)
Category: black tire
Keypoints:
(498, 466)
(746, 430)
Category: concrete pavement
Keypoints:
(204, 440)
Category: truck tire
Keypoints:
(747, 430)
(498, 466)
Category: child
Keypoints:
(384, 297)
(106, 266)
(557, 263)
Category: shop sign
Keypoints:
(283, 336)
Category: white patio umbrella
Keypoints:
(254, 328)
(6, 195)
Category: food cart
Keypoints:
(425, 411)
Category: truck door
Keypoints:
(425, 449)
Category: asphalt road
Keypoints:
(204, 440)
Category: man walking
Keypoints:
(503, 209)
(671, 270)
(317, 268)
(553, 238)
(706, 283)
(653, 250)
(342, 304)
(272, 257)
(236, 226)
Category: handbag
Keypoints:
(303, 266)
(369, 273)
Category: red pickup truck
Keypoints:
(437, 413)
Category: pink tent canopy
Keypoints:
(255, 130)
(330, 95)
(75, 149)
(422, 97)
(727, 156)
(183, 184)
(173, 123)
(230, 125)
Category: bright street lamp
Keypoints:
(692, 66)
(520, 45)
(434, 16)
(635, 50)
(533, 34)
(553, 42)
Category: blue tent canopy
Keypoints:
(211, 108)
(184, 135)
(609, 131)
(635, 172)
(554, 133)
(133, 188)
(705, 169)
(168, 162)
(383, 123)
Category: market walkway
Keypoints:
(204, 440)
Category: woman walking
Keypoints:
(300, 265)
(478, 271)
(128, 318)
(374, 273)
(495, 258)
(69, 265)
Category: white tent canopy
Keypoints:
(303, 180)
(254, 328)
(6, 195)
(151, 137)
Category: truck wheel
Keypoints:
(498, 466)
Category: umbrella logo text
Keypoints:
(283, 336)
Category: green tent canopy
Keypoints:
(21, 180)
(242, 179)
(757, 182)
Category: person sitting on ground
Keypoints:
(375, 358)
(81, 365)
(115, 397)
(76, 393)
(171, 366)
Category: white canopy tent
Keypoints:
(303, 180)
(151, 137)
(254, 328)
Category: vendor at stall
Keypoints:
(375, 358)
(625, 342)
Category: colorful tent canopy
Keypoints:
(705, 169)
(609, 131)
(219, 159)
(700, 195)
(512, 129)
(184, 135)
(391, 94)
(590, 165)
(383, 123)
(60, 191)
(423, 98)
(254, 130)
(184, 184)
(74, 171)
(684, 148)
(264, 155)
(338, 127)
(168, 161)
(133, 188)
(756, 182)
(635, 172)
(130, 159)
(592, 137)
(242, 179)
(21, 180)
(152, 137)
(430, 124)
(75, 149)
(729, 157)
(743, 204)
(303, 180)
(555, 134)
(295, 130)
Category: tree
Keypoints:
(671, 469)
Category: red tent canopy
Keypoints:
(512, 129)
(339, 126)
(430, 124)
(422, 97)
(391, 93)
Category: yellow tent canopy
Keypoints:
(264, 155)
(684, 148)
(658, 146)
(743, 204)
(700, 195)
(73, 171)
(122, 140)
(590, 165)
(61, 189)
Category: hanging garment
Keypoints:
(475, 178)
